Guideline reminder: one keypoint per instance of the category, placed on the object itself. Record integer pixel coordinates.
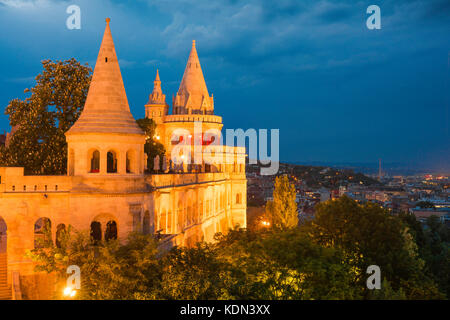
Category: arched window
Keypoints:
(95, 162)
(42, 233)
(131, 162)
(111, 231)
(96, 231)
(3, 237)
(60, 234)
(111, 162)
(146, 223)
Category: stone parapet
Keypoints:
(192, 118)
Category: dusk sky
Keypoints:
(337, 91)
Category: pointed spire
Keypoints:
(106, 109)
(193, 93)
(157, 96)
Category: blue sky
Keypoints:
(337, 91)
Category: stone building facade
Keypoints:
(107, 190)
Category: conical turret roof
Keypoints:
(106, 109)
(193, 92)
(157, 96)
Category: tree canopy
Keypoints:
(152, 146)
(369, 235)
(282, 210)
(325, 258)
(313, 261)
(240, 265)
(55, 103)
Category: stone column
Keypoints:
(103, 161)
(121, 162)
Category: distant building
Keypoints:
(378, 196)
(423, 214)
(324, 194)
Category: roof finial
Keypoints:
(193, 43)
(108, 20)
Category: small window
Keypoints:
(60, 234)
(106, 59)
(96, 231)
(42, 233)
(95, 162)
(111, 231)
(111, 162)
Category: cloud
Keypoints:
(126, 63)
(152, 62)
(258, 32)
(25, 4)
(21, 80)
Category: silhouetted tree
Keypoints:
(55, 103)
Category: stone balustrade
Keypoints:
(192, 118)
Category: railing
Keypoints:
(176, 179)
(192, 118)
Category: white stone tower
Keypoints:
(106, 139)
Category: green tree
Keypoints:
(109, 270)
(152, 146)
(55, 103)
(281, 264)
(369, 235)
(434, 248)
(310, 262)
(282, 210)
(193, 273)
